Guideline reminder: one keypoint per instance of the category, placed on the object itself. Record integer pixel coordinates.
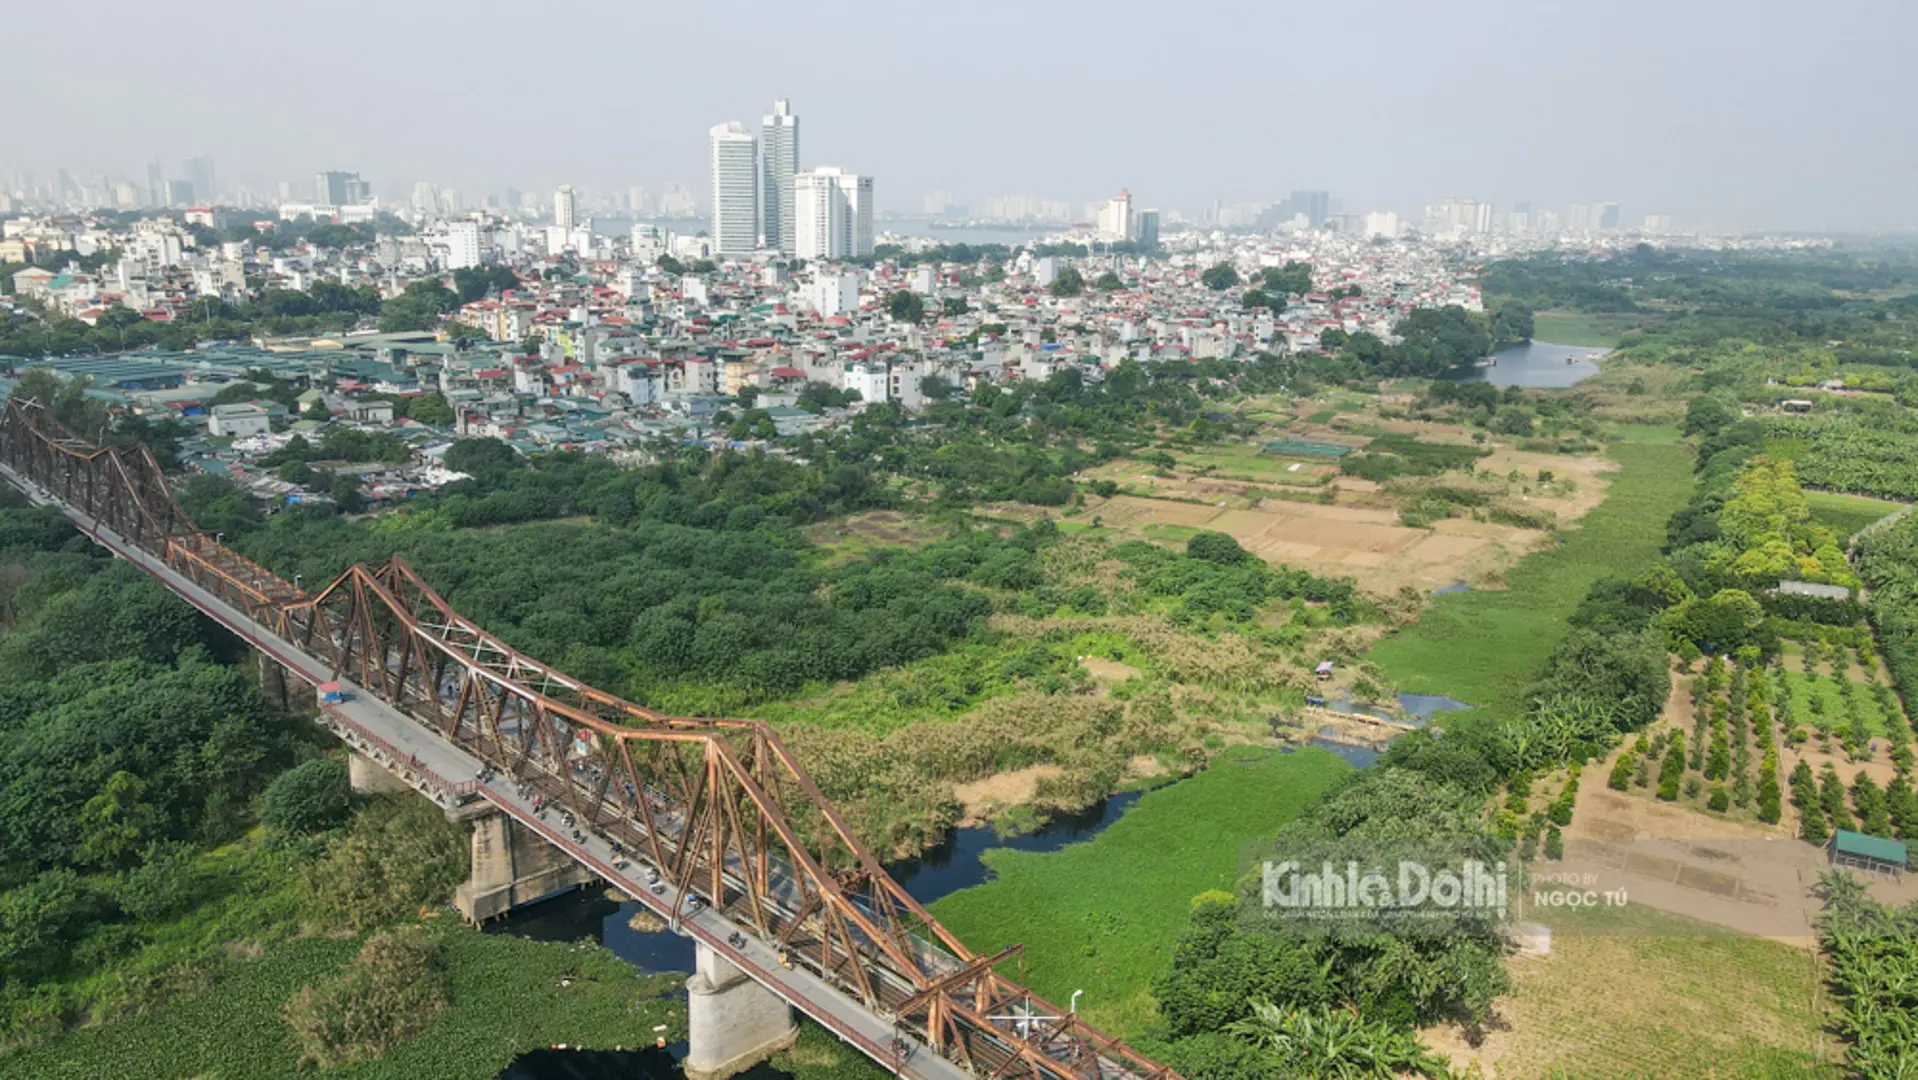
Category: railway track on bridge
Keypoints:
(710, 821)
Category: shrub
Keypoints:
(391, 992)
(311, 797)
(1673, 769)
(1720, 800)
(1215, 547)
(1554, 844)
(1812, 825)
(1621, 777)
(168, 881)
(399, 854)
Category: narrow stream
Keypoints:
(956, 864)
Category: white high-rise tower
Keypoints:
(779, 160)
(832, 214)
(735, 190)
(565, 207)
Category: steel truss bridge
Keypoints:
(742, 840)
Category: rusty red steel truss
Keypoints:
(719, 807)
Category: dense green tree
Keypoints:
(1215, 547)
(481, 457)
(432, 409)
(1511, 324)
(419, 307)
(473, 283)
(1219, 277)
(1293, 279)
(1434, 340)
(907, 306)
(1068, 282)
(313, 796)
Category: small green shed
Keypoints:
(1873, 854)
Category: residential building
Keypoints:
(833, 293)
(1380, 224)
(340, 189)
(426, 200)
(199, 173)
(872, 381)
(735, 227)
(819, 215)
(238, 420)
(1146, 229)
(565, 207)
(1115, 218)
(1315, 205)
(779, 159)
(462, 244)
(832, 214)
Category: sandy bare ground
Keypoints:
(1359, 533)
(983, 798)
(1744, 875)
(1107, 671)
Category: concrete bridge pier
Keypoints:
(733, 1023)
(512, 865)
(273, 681)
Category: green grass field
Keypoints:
(1580, 328)
(1250, 462)
(1846, 514)
(1103, 916)
(1483, 647)
(1634, 992)
(506, 993)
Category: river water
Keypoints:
(1538, 365)
(589, 913)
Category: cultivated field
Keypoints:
(1639, 993)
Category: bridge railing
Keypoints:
(457, 791)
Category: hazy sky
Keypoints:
(1745, 113)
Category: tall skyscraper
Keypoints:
(1115, 218)
(565, 206)
(426, 199)
(832, 214)
(1147, 229)
(156, 185)
(1605, 216)
(339, 189)
(735, 190)
(779, 160)
(199, 170)
(1315, 205)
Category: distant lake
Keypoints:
(1538, 365)
(622, 225)
(1010, 237)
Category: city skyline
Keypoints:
(1654, 107)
